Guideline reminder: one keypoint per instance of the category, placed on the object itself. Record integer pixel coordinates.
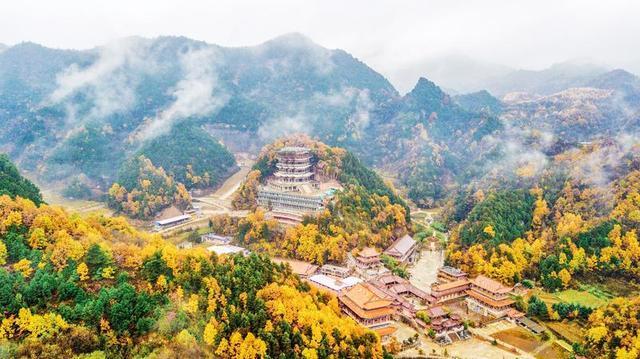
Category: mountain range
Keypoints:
(461, 74)
(81, 114)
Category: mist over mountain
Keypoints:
(69, 113)
(455, 73)
(130, 91)
(461, 74)
(556, 78)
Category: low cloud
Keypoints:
(522, 149)
(360, 119)
(285, 50)
(109, 83)
(311, 116)
(597, 166)
(284, 126)
(197, 94)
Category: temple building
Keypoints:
(335, 271)
(368, 306)
(447, 327)
(397, 286)
(449, 291)
(301, 268)
(489, 297)
(450, 274)
(368, 258)
(333, 284)
(404, 250)
(292, 191)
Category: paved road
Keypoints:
(217, 203)
(220, 200)
(425, 271)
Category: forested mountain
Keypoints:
(95, 287)
(13, 184)
(86, 112)
(142, 189)
(191, 156)
(481, 101)
(365, 212)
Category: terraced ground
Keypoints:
(570, 331)
(80, 206)
(519, 338)
(587, 296)
(553, 351)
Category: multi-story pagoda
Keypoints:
(294, 169)
(292, 191)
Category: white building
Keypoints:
(173, 221)
(227, 249)
(333, 284)
(335, 271)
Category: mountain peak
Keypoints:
(292, 36)
(616, 79)
(27, 45)
(425, 87)
(291, 40)
(621, 74)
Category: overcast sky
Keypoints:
(387, 35)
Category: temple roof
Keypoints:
(368, 252)
(452, 271)
(491, 285)
(436, 312)
(298, 267)
(366, 301)
(367, 296)
(490, 301)
(293, 149)
(439, 287)
(401, 246)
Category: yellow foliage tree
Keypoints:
(161, 282)
(40, 325)
(210, 331)
(23, 266)
(192, 304)
(565, 277)
(107, 272)
(83, 271)
(489, 231)
(569, 225)
(38, 239)
(3, 253)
